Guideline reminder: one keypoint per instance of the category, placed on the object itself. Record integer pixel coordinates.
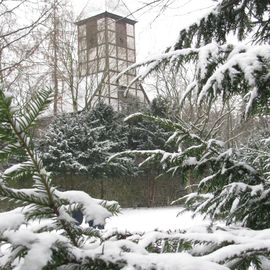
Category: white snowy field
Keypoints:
(147, 219)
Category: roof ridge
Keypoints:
(117, 7)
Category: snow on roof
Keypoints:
(94, 7)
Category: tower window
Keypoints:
(122, 53)
(130, 30)
(92, 33)
(92, 54)
(111, 24)
(82, 44)
(101, 24)
(111, 37)
(131, 55)
(121, 37)
(82, 30)
(101, 37)
(130, 43)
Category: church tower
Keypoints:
(106, 46)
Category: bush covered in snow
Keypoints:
(81, 144)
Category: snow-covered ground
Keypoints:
(147, 219)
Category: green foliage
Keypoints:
(228, 187)
(233, 183)
(240, 17)
(81, 144)
(42, 202)
(159, 107)
(144, 134)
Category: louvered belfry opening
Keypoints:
(106, 46)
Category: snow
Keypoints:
(249, 63)
(205, 55)
(229, 252)
(133, 116)
(234, 204)
(147, 226)
(148, 219)
(238, 187)
(207, 178)
(240, 240)
(172, 261)
(39, 246)
(247, 167)
(190, 161)
(216, 142)
(13, 168)
(17, 168)
(91, 207)
(11, 219)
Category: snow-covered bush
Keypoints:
(81, 144)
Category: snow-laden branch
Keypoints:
(246, 61)
(221, 70)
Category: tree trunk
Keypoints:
(55, 58)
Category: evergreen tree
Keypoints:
(81, 144)
(229, 188)
(221, 67)
(146, 135)
(43, 235)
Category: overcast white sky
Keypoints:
(157, 30)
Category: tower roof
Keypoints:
(96, 7)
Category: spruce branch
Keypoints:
(21, 125)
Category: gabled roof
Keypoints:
(96, 7)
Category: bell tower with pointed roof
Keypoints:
(106, 46)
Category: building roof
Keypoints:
(96, 7)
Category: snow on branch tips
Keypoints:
(249, 65)
(221, 70)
